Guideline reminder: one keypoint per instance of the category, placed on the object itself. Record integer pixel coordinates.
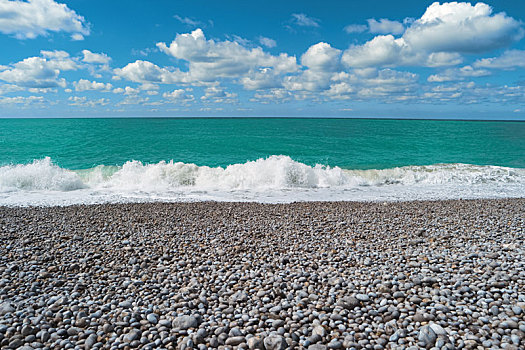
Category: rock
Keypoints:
(319, 330)
(131, 336)
(233, 341)
(125, 304)
(427, 336)
(185, 322)
(275, 342)
(317, 347)
(362, 297)
(90, 341)
(348, 303)
(255, 343)
(6, 308)
(238, 297)
(152, 318)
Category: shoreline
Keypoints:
(313, 202)
(236, 275)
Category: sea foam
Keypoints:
(272, 179)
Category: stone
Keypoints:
(275, 342)
(152, 318)
(255, 343)
(90, 341)
(234, 341)
(348, 303)
(6, 308)
(427, 336)
(362, 297)
(185, 322)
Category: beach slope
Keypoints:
(247, 275)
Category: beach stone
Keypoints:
(6, 308)
(317, 347)
(233, 341)
(152, 318)
(348, 303)
(319, 330)
(238, 297)
(362, 297)
(275, 342)
(90, 341)
(255, 343)
(427, 336)
(185, 322)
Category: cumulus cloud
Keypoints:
(32, 18)
(217, 94)
(178, 96)
(373, 84)
(39, 72)
(510, 59)
(321, 61)
(147, 72)
(454, 74)
(461, 27)
(303, 20)
(385, 26)
(97, 58)
(85, 102)
(22, 100)
(86, 85)
(210, 60)
(439, 37)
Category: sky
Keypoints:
(332, 58)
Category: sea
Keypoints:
(46, 162)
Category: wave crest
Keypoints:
(277, 176)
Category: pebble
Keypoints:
(439, 275)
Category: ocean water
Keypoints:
(72, 161)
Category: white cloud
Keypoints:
(454, 74)
(128, 90)
(510, 59)
(272, 96)
(7, 88)
(188, 21)
(178, 96)
(22, 100)
(218, 95)
(147, 72)
(86, 85)
(385, 26)
(321, 57)
(383, 50)
(210, 60)
(321, 61)
(303, 20)
(461, 27)
(439, 37)
(39, 72)
(98, 58)
(264, 78)
(32, 18)
(384, 84)
(84, 102)
(355, 28)
(269, 43)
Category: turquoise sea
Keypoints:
(62, 161)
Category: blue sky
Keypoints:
(415, 59)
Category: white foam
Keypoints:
(273, 179)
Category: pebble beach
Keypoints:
(312, 275)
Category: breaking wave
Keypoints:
(282, 178)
